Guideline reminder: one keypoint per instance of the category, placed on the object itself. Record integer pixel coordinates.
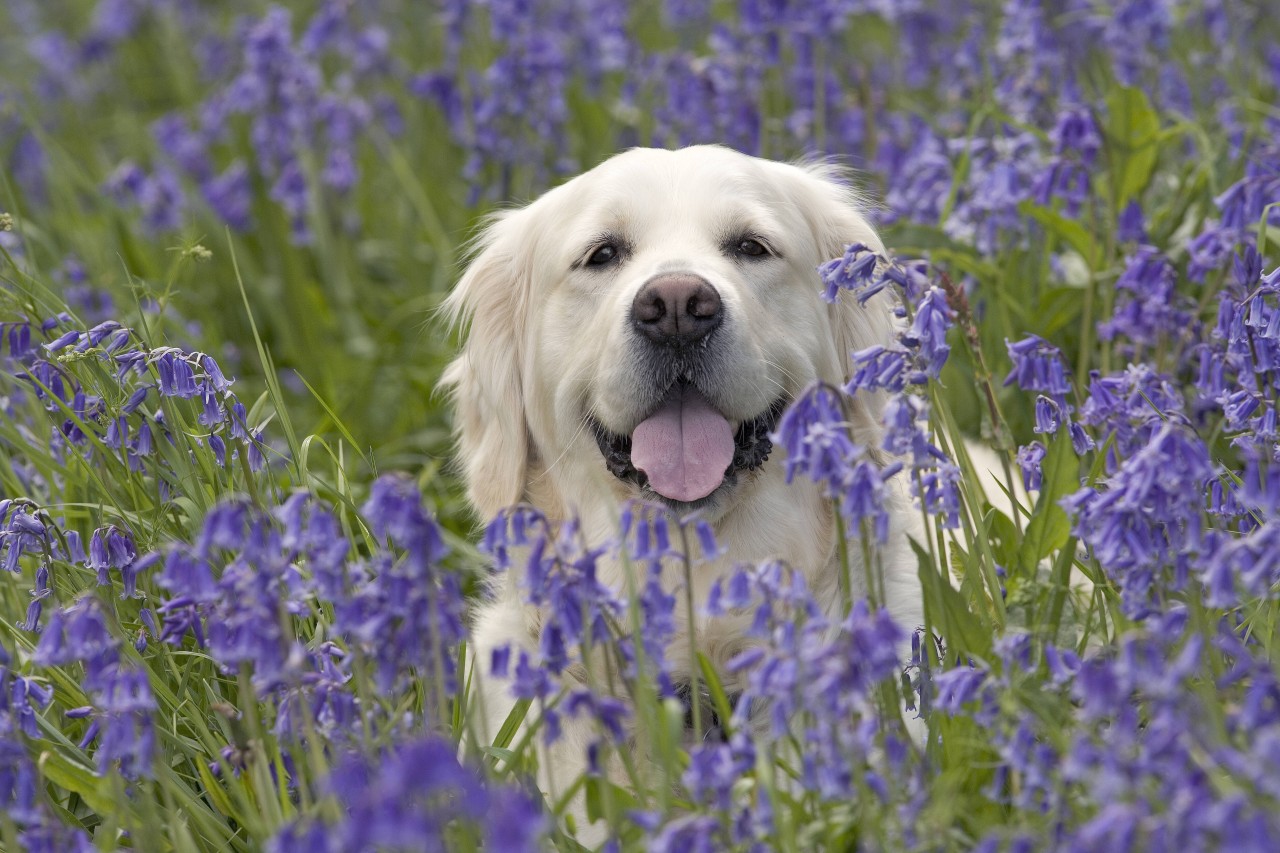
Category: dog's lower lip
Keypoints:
(752, 447)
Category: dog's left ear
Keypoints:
(485, 380)
(835, 213)
(837, 218)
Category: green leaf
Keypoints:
(718, 697)
(1004, 537)
(947, 612)
(1067, 230)
(214, 792)
(1049, 527)
(78, 779)
(597, 790)
(1132, 134)
(513, 721)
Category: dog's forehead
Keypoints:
(705, 180)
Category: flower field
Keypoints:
(237, 561)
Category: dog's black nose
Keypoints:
(676, 309)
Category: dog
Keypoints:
(633, 334)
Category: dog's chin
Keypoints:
(751, 448)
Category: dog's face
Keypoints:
(638, 330)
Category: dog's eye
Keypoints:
(606, 254)
(752, 248)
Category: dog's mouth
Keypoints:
(685, 450)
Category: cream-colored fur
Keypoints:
(549, 344)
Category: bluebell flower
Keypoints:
(1150, 310)
(920, 181)
(185, 147)
(956, 687)
(1028, 51)
(396, 511)
(408, 797)
(1048, 416)
(1131, 226)
(689, 834)
(610, 713)
(1076, 142)
(856, 272)
(879, 367)
(1149, 516)
(938, 490)
(127, 733)
(1037, 366)
(929, 331)
(230, 195)
(864, 497)
(78, 633)
(812, 431)
(714, 768)
(1001, 177)
(22, 697)
(1030, 457)
(1128, 406)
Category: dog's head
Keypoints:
(639, 329)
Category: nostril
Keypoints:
(704, 304)
(649, 308)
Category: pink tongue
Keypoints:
(684, 447)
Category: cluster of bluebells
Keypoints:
(1119, 741)
(238, 586)
(309, 93)
(120, 726)
(581, 615)
(305, 123)
(112, 419)
(1120, 738)
(1166, 512)
(560, 571)
(1038, 368)
(415, 795)
(917, 356)
(21, 697)
(808, 680)
(815, 433)
(238, 589)
(122, 705)
(1076, 142)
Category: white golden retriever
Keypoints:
(636, 333)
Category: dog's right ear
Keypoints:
(485, 380)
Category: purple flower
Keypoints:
(409, 797)
(1048, 416)
(110, 548)
(396, 510)
(126, 730)
(1076, 142)
(1148, 516)
(814, 433)
(939, 492)
(714, 769)
(1029, 458)
(878, 367)
(928, 331)
(856, 271)
(1149, 310)
(230, 195)
(1037, 366)
(957, 687)
(1131, 226)
(186, 148)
